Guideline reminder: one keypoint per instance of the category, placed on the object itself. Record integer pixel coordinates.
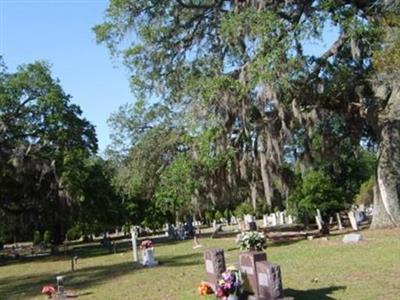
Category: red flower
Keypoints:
(146, 244)
(48, 290)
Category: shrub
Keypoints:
(243, 208)
(366, 193)
(251, 241)
(47, 237)
(74, 233)
(218, 215)
(317, 191)
(37, 237)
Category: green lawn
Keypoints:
(311, 270)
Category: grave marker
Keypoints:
(247, 265)
(214, 260)
(269, 280)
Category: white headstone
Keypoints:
(273, 220)
(281, 217)
(353, 221)
(265, 220)
(318, 221)
(134, 245)
(248, 218)
(290, 219)
(148, 257)
(339, 221)
(214, 224)
(352, 238)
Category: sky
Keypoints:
(60, 32)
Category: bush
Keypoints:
(366, 193)
(37, 237)
(47, 237)
(218, 215)
(74, 233)
(317, 191)
(243, 208)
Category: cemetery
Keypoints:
(199, 149)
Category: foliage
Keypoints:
(74, 233)
(44, 144)
(366, 194)
(47, 237)
(251, 241)
(37, 237)
(317, 191)
(242, 209)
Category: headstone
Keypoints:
(273, 220)
(330, 220)
(281, 217)
(278, 219)
(352, 238)
(134, 245)
(339, 221)
(265, 220)
(247, 265)
(252, 226)
(234, 220)
(290, 219)
(353, 221)
(269, 280)
(214, 260)
(214, 224)
(189, 222)
(148, 257)
(318, 221)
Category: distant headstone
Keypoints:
(234, 220)
(339, 221)
(134, 245)
(265, 220)
(214, 260)
(318, 221)
(269, 280)
(352, 238)
(148, 257)
(252, 226)
(353, 221)
(282, 217)
(290, 219)
(273, 220)
(247, 265)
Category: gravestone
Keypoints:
(252, 226)
(290, 219)
(353, 221)
(318, 221)
(234, 220)
(265, 220)
(247, 265)
(273, 220)
(282, 217)
(269, 280)
(134, 245)
(352, 238)
(214, 260)
(339, 221)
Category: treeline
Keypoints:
(229, 109)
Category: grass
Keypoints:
(311, 270)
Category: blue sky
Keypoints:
(59, 31)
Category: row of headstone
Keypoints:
(278, 218)
(262, 278)
(355, 218)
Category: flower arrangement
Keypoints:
(252, 240)
(146, 244)
(49, 290)
(204, 289)
(229, 286)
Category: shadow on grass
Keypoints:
(27, 286)
(189, 259)
(315, 294)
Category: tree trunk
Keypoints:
(387, 187)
